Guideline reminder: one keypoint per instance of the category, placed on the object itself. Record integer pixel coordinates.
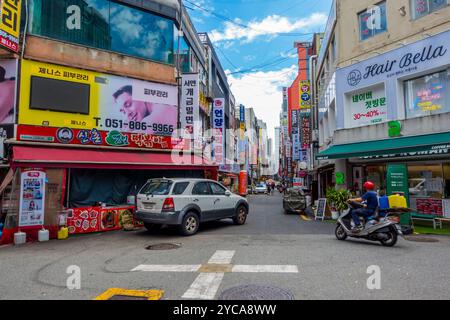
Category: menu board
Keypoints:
(321, 209)
(32, 198)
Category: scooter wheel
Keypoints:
(340, 232)
(392, 239)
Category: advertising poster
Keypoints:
(219, 130)
(62, 97)
(397, 180)
(10, 11)
(367, 107)
(8, 75)
(189, 108)
(32, 198)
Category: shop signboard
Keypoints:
(306, 130)
(366, 107)
(32, 198)
(189, 108)
(305, 95)
(63, 97)
(296, 147)
(8, 76)
(94, 137)
(10, 14)
(219, 130)
(418, 58)
(397, 180)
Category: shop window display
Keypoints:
(428, 95)
(426, 188)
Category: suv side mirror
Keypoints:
(228, 193)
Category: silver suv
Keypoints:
(186, 203)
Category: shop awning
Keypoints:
(431, 144)
(27, 156)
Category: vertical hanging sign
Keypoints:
(32, 198)
(190, 99)
(10, 24)
(219, 130)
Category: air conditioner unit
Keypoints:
(315, 135)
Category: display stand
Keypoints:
(323, 210)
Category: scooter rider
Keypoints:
(371, 203)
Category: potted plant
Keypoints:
(338, 201)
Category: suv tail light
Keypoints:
(169, 205)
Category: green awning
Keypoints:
(430, 144)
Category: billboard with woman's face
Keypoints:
(8, 73)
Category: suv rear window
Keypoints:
(179, 188)
(157, 187)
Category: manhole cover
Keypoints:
(255, 292)
(421, 239)
(164, 246)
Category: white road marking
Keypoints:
(222, 257)
(168, 268)
(205, 286)
(266, 269)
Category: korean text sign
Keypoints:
(189, 113)
(112, 103)
(219, 130)
(10, 11)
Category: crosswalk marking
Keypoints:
(204, 287)
(168, 268)
(207, 283)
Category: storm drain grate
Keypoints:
(164, 246)
(421, 239)
(256, 292)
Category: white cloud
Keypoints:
(262, 91)
(269, 26)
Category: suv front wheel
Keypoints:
(241, 216)
(190, 224)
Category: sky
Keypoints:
(252, 33)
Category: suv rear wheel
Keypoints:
(241, 216)
(190, 224)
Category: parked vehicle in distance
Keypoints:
(187, 203)
(261, 188)
(294, 201)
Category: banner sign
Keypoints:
(296, 147)
(113, 138)
(10, 11)
(397, 180)
(32, 198)
(305, 94)
(294, 120)
(8, 76)
(63, 97)
(306, 131)
(219, 130)
(189, 106)
(366, 107)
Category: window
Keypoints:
(105, 24)
(179, 188)
(201, 188)
(217, 189)
(157, 188)
(428, 95)
(59, 95)
(373, 21)
(421, 8)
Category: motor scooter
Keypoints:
(383, 229)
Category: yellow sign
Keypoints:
(58, 96)
(305, 94)
(53, 118)
(10, 11)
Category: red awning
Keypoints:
(27, 156)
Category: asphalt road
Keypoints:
(327, 268)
